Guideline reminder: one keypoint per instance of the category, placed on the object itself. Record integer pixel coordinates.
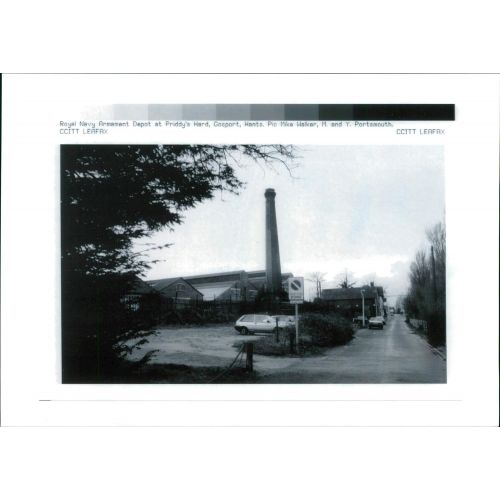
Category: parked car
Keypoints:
(376, 322)
(358, 320)
(255, 323)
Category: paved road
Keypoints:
(391, 355)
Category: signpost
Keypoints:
(296, 296)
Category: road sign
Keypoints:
(296, 290)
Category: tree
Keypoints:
(318, 279)
(112, 197)
(426, 297)
(399, 304)
(437, 238)
(346, 280)
(419, 270)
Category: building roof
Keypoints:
(163, 283)
(229, 276)
(212, 291)
(256, 274)
(215, 284)
(160, 285)
(250, 274)
(216, 277)
(213, 275)
(349, 293)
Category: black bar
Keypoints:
(387, 112)
(404, 112)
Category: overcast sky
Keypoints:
(363, 209)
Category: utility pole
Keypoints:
(434, 286)
(363, 306)
(297, 328)
(377, 305)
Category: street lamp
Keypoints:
(363, 305)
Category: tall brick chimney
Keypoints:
(273, 266)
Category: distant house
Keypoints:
(349, 301)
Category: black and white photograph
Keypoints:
(253, 264)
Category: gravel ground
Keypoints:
(199, 346)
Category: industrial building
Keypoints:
(235, 286)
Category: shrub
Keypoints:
(325, 330)
(316, 331)
(268, 346)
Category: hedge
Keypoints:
(325, 330)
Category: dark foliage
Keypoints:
(317, 332)
(326, 330)
(426, 297)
